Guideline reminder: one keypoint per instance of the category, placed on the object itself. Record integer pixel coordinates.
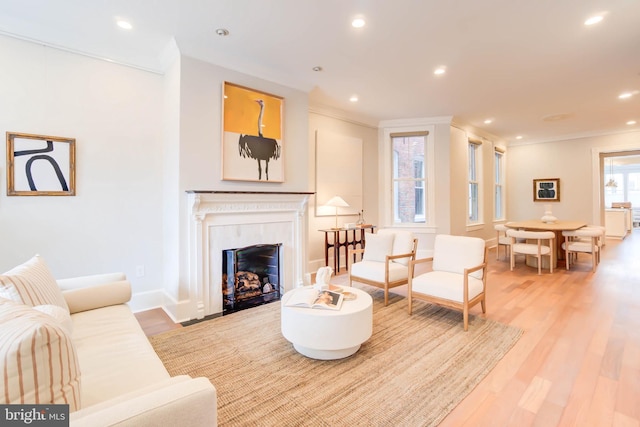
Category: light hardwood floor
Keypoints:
(578, 361)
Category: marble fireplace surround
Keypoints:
(220, 220)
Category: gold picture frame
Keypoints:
(252, 142)
(40, 165)
(546, 190)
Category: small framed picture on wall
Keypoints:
(546, 190)
(39, 165)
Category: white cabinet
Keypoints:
(618, 222)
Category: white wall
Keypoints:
(165, 295)
(114, 223)
(572, 162)
(319, 121)
(200, 147)
(142, 140)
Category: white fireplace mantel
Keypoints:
(220, 220)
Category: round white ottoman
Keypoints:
(328, 334)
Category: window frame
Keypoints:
(411, 177)
(499, 183)
(477, 181)
(387, 213)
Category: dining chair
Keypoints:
(533, 243)
(502, 240)
(385, 260)
(458, 276)
(601, 240)
(582, 240)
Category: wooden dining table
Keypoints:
(557, 227)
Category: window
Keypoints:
(474, 182)
(409, 178)
(407, 174)
(498, 184)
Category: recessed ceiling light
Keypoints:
(519, 137)
(317, 68)
(354, 98)
(631, 122)
(223, 32)
(625, 95)
(125, 25)
(440, 70)
(358, 22)
(488, 121)
(594, 20)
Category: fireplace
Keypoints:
(250, 276)
(220, 220)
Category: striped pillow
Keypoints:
(38, 362)
(32, 284)
(59, 314)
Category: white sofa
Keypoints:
(123, 382)
(76, 341)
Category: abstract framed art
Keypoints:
(39, 165)
(252, 143)
(546, 190)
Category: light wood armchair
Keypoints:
(385, 260)
(458, 278)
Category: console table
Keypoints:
(343, 238)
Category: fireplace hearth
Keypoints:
(250, 276)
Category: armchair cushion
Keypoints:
(32, 283)
(446, 285)
(579, 246)
(377, 247)
(455, 253)
(374, 271)
(530, 249)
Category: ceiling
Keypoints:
(531, 66)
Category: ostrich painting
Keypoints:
(259, 147)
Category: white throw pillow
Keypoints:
(32, 284)
(61, 315)
(38, 361)
(402, 243)
(377, 246)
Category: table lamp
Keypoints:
(337, 202)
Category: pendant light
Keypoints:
(612, 182)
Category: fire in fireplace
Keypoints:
(250, 276)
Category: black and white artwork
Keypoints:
(39, 165)
(547, 190)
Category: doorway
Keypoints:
(620, 183)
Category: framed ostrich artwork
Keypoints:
(252, 135)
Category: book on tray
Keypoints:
(312, 298)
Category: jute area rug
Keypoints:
(412, 372)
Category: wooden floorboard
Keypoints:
(578, 361)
